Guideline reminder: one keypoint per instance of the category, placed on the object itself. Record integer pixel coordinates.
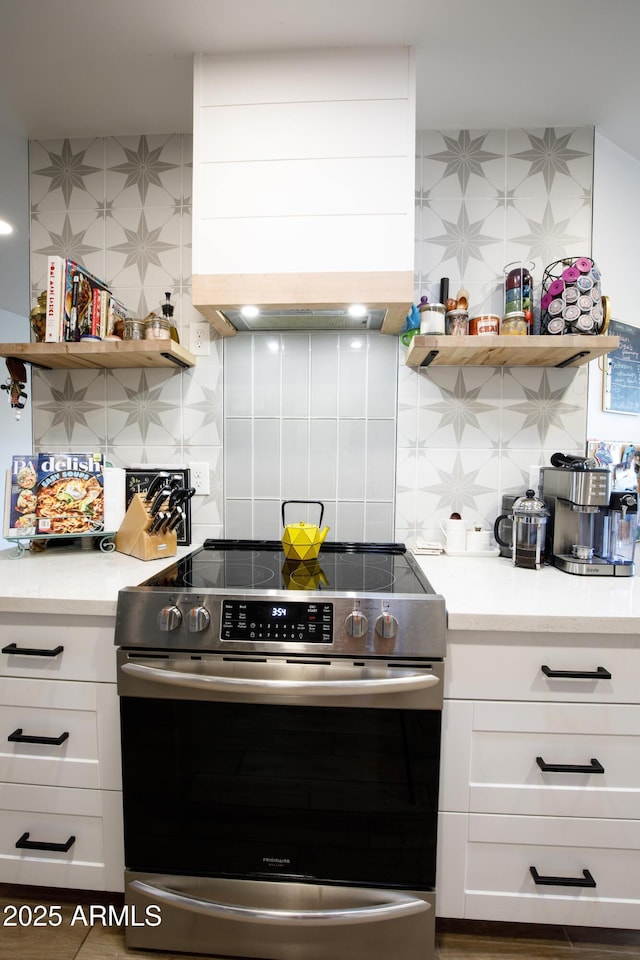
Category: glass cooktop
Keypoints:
(237, 565)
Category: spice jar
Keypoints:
(157, 328)
(134, 329)
(485, 323)
(457, 323)
(514, 324)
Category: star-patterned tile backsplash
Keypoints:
(466, 435)
(122, 207)
(457, 438)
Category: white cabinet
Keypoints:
(60, 779)
(57, 648)
(540, 781)
(266, 125)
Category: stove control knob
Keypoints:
(387, 626)
(199, 619)
(356, 624)
(169, 618)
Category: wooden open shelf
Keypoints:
(108, 354)
(507, 351)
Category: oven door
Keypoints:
(301, 783)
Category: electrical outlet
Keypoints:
(200, 478)
(199, 339)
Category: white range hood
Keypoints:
(303, 189)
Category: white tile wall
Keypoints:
(314, 419)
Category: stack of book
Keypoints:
(78, 303)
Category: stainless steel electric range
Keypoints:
(281, 751)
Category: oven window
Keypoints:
(339, 795)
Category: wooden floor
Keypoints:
(75, 938)
(480, 940)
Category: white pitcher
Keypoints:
(455, 535)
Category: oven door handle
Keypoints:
(391, 684)
(398, 905)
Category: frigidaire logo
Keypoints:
(276, 861)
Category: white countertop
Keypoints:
(72, 580)
(480, 593)
(493, 594)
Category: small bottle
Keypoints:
(167, 307)
(167, 312)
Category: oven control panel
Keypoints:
(279, 620)
(320, 624)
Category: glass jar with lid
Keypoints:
(157, 328)
(518, 289)
(134, 329)
(432, 318)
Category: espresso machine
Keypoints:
(591, 530)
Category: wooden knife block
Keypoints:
(134, 539)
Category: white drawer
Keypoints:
(499, 884)
(508, 739)
(83, 717)
(65, 648)
(93, 861)
(485, 670)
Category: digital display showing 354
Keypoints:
(293, 622)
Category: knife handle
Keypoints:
(158, 481)
(174, 520)
(159, 499)
(156, 523)
(181, 495)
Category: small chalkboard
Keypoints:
(622, 370)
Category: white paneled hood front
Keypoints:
(303, 189)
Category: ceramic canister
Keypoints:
(455, 534)
(478, 540)
(486, 323)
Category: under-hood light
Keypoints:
(304, 302)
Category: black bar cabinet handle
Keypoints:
(599, 674)
(593, 767)
(25, 844)
(585, 881)
(13, 650)
(19, 737)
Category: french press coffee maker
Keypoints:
(529, 515)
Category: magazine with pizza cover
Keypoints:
(69, 493)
